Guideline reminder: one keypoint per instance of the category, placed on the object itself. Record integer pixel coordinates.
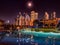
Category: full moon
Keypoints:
(29, 4)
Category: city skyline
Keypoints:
(9, 9)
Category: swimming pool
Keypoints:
(41, 38)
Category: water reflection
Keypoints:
(24, 39)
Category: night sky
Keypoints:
(9, 8)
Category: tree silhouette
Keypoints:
(36, 23)
(58, 26)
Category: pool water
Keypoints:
(44, 38)
(39, 38)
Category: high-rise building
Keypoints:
(17, 20)
(27, 19)
(46, 17)
(34, 16)
(1, 24)
(21, 19)
(54, 15)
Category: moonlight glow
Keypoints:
(29, 4)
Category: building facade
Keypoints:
(1, 24)
(34, 16)
(26, 20)
(50, 23)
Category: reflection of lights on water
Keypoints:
(32, 40)
(17, 40)
(31, 36)
(28, 38)
(27, 41)
(54, 41)
(49, 37)
(20, 39)
(46, 41)
(23, 39)
(7, 34)
(7, 21)
(36, 43)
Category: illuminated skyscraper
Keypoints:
(34, 16)
(17, 20)
(54, 15)
(51, 16)
(46, 17)
(27, 19)
(21, 19)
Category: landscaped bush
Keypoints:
(32, 29)
(44, 29)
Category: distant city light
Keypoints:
(7, 21)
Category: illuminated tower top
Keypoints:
(34, 15)
(27, 17)
(54, 15)
(46, 16)
(19, 13)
